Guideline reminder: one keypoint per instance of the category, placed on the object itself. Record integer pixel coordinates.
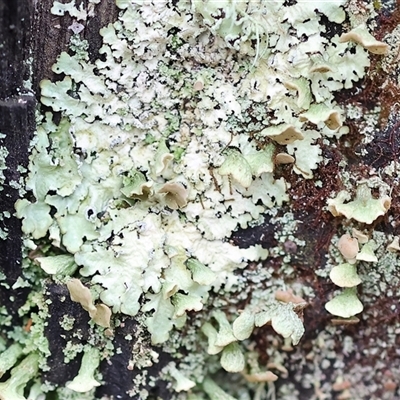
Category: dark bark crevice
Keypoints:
(17, 124)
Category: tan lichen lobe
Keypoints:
(360, 236)
(283, 134)
(258, 377)
(100, 313)
(394, 246)
(321, 68)
(284, 158)
(176, 195)
(348, 247)
(345, 321)
(81, 294)
(198, 85)
(287, 296)
(361, 36)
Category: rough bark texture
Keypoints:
(51, 35)
(17, 122)
(61, 308)
(14, 37)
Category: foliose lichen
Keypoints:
(168, 144)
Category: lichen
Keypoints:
(3, 166)
(172, 141)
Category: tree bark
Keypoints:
(17, 124)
